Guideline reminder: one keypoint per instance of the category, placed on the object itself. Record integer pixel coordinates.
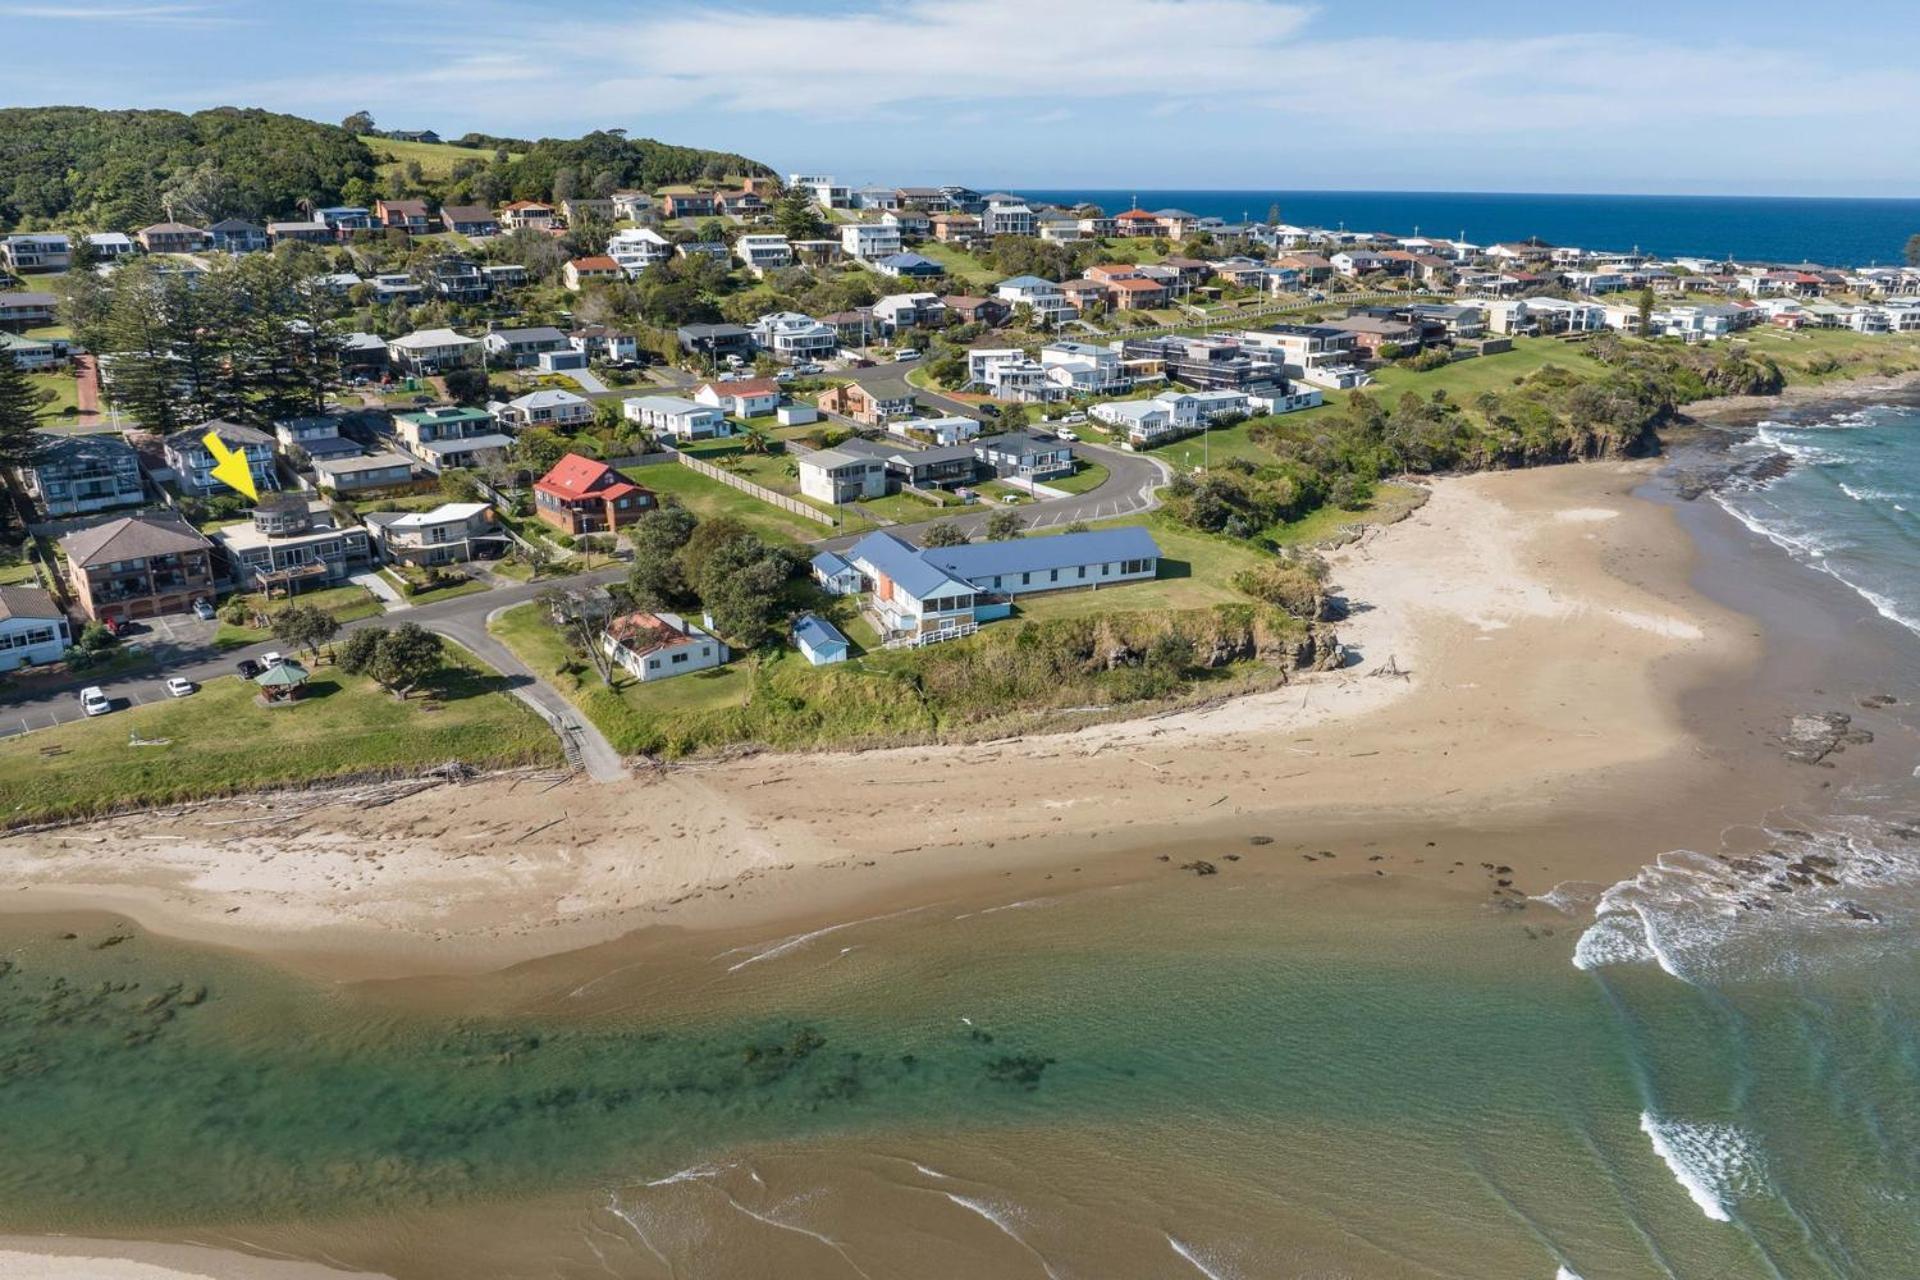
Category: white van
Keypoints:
(93, 700)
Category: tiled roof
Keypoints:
(131, 538)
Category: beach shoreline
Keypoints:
(1447, 721)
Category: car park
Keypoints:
(180, 687)
(93, 700)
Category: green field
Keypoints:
(1089, 476)
(436, 158)
(962, 266)
(345, 604)
(220, 741)
(706, 497)
(65, 389)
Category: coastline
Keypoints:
(1477, 734)
(80, 1258)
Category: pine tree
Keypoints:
(20, 407)
(142, 378)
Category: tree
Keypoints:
(1645, 309)
(360, 122)
(1913, 250)
(796, 217)
(459, 484)
(20, 407)
(468, 386)
(657, 579)
(944, 535)
(305, 626)
(406, 655)
(357, 653)
(1005, 525)
(582, 616)
(1078, 526)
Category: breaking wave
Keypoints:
(1715, 1163)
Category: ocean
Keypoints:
(1846, 232)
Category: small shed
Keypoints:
(819, 640)
(286, 682)
(796, 415)
(562, 361)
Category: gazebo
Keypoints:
(283, 683)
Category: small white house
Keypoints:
(681, 419)
(659, 646)
(33, 629)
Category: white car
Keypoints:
(179, 687)
(93, 700)
(271, 661)
(1066, 433)
(908, 354)
(203, 610)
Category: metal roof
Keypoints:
(978, 561)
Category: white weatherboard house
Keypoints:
(681, 419)
(33, 629)
(659, 646)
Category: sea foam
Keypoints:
(1713, 1162)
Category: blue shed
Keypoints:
(819, 640)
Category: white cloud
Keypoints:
(181, 15)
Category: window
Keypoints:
(679, 658)
(1055, 575)
(1083, 571)
(1025, 578)
(653, 664)
(706, 651)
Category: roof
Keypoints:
(131, 538)
(372, 462)
(421, 339)
(445, 513)
(815, 632)
(466, 213)
(594, 262)
(744, 387)
(1134, 284)
(1022, 440)
(172, 228)
(975, 562)
(901, 562)
(834, 459)
(670, 404)
(830, 564)
(646, 632)
(1027, 282)
(58, 449)
(27, 602)
(283, 673)
(28, 299)
(230, 432)
(574, 475)
(537, 333)
(546, 397)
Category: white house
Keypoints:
(751, 398)
(1006, 216)
(450, 533)
(1084, 368)
(681, 419)
(1044, 297)
(425, 352)
(870, 241)
(763, 253)
(793, 337)
(659, 646)
(638, 248)
(548, 407)
(828, 475)
(940, 431)
(1007, 373)
(33, 629)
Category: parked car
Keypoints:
(1066, 433)
(248, 668)
(807, 368)
(991, 410)
(908, 354)
(180, 687)
(1074, 418)
(203, 610)
(271, 661)
(93, 700)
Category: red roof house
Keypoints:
(582, 495)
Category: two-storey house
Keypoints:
(71, 475)
(137, 566)
(193, 462)
(583, 495)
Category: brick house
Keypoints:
(137, 566)
(582, 495)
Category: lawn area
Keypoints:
(1217, 445)
(1390, 502)
(220, 741)
(52, 333)
(1196, 570)
(706, 497)
(1853, 354)
(65, 389)
(436, 158)
(344, 603)
(17, 573)
(961, 265)
(902, 508)
(1090, 475)
(1464, 379)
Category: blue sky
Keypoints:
(1680, 96)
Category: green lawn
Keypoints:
(1804, 356)
(17, 573)
(1090, 475)
(1193, 452)
(1390, 502)
(962, 266)
(902, 508)
(1465, 379)
(344, 603)
(65, 389)
(707, 497)
(220, 741)
(436, 159)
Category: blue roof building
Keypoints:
(819, 640)
(831, 570)
(910, 266)
(1099, 557)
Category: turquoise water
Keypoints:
(1848, 500)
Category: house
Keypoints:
(941, 431)
(1006, 215)
(826, 192)
(637, 248)
(909, 266)
(598, 342)
(658, 646)
(548, 407)
(716, 341)
(474, 220)
(870, 241)
(33, 629)
(449, 436)
(1083, 369)
(1007, 373)
(410, 216)
(361, 354)
(32, 354)
(521, 348)
(291, 543)
(398, 286)
(1025, 455)
(1176, 413)
(137, 566)
(1043, 297)
(914, 227)
(1136, 293)
(1084, 293)
(899, 311)
(582, 495)
(503, 275)
(414, 135)
(1026, 566)
(747, 398)
(299, 232)
(681, 419)
(578, 209)
(854, 328)
(872, 403)
(1379, 336)
(763, 253)
(426, 352)
(741, 204)
(955, 228)
(688, 204)
(1313, 268)
(342, 220)
(71, 475)
(835, 575)
(316, 436)
(193, 462)
(458, 280)
(1208, 363)
(819, 640)
(1301, 350)
(966, 309)
(835, 476)
(36, 251)
(925, 199)
(794, 338)
(1136, 222)
(19, 311)
(910, 601)
(910, 466)
(527, 215)
(174, 237)
(579, 272)
(357, 474)
(111, 246)
(451, 533)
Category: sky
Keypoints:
(1679, 96)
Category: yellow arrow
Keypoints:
(230, 466)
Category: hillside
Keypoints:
(77, 167)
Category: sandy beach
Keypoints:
(71, 1258)
(1518, 642)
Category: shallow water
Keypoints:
(1226, 1074)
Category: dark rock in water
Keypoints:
(1022, 1070)
(1259, 840)
(1504, 884)
(1878, 701)
(1161, 857)
(1858, 912)
(1231, 857)
(1812, 737)
(111, 940)
(1200, 867)
(1503, 871)
(196, 996)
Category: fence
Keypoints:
(764, 494)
